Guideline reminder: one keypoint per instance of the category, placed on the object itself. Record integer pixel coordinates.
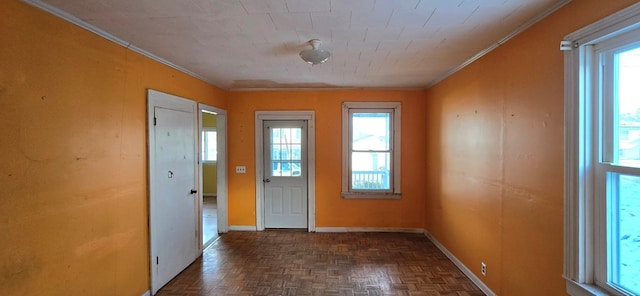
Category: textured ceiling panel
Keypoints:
(244, 44)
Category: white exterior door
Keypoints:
(285, 174)
(173, 206)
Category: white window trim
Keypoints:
(397, 119)
(580, 208)
(209, 129)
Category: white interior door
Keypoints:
(285, 174)
(173, 219)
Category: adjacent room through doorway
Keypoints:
(209, 178)
(209, 219)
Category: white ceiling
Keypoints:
(245, 44)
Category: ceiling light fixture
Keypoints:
(314, 55)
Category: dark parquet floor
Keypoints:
(281, 262)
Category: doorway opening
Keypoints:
(213, 184)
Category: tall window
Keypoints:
(209, 145)
(617, 163)
(602, 229)
(371, 150)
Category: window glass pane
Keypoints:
(623, 223)
(627, 91)
(286, 152)
(209, 146)
(371, 131)
(370, 170)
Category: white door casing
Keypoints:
(261, 117)
(221, 163)
(173, 202)
(285, 174)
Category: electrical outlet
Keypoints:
(483, 269)
(241, 169)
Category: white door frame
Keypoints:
(309, 116)
(221, 163)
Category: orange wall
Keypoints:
(73, 191)
(331, 209)
(73, 187)
(495, 157)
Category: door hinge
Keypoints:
(155, 121)
(157, 260)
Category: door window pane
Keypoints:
(623, 224)
(627, 91)
(286, 152)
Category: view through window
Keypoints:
(209, 146)
(371, 150)
(286, 151)
(622, 189)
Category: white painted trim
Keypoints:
(261, 116)
(369, 229)
(476, 280)
(615, 24)
(334, 88)
(489, 49)
(578, 193)
(581, 249)
(577, 289)
(242, 228)
(106, 35)
(396, 191)
(146, 293)
(221, 163)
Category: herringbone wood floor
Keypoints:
(281, 262)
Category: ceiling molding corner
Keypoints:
(495, 45)
(106, 35)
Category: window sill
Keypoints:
(578, 289)
(370, 195)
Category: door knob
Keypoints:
(266, 180)
(193, 191)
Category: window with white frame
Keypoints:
(371, 150)
(602, 162)
(209, 145)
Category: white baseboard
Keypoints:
(147, 293)
(472, 276)
(369, 229)
(340, 229)
(242, 228)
